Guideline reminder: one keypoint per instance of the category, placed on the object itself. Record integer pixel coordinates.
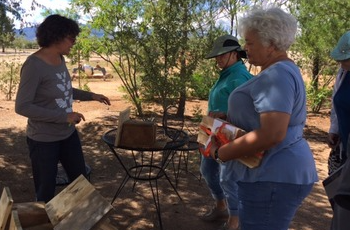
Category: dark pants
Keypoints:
(45, 157)
(341, 211)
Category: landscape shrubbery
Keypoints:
(9, 78)
(198, 87)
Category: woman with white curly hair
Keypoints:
(272, 109)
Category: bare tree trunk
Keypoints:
(315, 73)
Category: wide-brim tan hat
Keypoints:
(225, 44)
(342, 50)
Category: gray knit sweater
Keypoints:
(45, 96)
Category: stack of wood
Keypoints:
(78, 206)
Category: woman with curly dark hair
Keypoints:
(45, 96)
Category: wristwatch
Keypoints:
(216, 155)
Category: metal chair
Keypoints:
(170, 121)
(184, 152)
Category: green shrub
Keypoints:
(200, 85)
(317, 98)
(197, 114)
(9, 78)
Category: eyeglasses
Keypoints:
(72, 39)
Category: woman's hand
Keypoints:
(214, 145)
(75, 118)
(101, 98)
(333, 140)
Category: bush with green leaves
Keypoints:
(199, 87)
(203, 80)
(21, 43)
(197, 114)
(9, 78)
(318, 98)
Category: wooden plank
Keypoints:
(62, 204)
(78, 206)
(123, 116)
(47, 226)
(31, 213)
(15, 224)
(104, 224)
(135, 133)
(85, 215)
(6, 202)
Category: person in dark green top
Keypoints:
(228, 55)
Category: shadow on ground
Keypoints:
(135, 209)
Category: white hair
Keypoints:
(273, 25)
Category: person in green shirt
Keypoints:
(228, 55)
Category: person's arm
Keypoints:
(101, 98)
(333, 136)
(273, 130)
(83, 95)
(75, 117)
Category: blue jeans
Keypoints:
(221, 182)
(269, 205)
(44, 159)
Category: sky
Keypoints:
(37, 18)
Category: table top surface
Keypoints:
(163, 142)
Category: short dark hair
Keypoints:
(54, 29)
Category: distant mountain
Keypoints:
(29, 33)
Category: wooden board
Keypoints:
(31, 213)
(209, 126)
(15, 224)
(138, 134)
(104, 224)
(78, 206)
(123, 116)
(47, 226)
(6, 202)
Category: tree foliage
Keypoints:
(11, 10)
(20, 43)
(321, 24)
(14, 7)
(117, 22)
(7, 33)
(9, 78)
(157, 48)
(173, 44)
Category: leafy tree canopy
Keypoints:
(14, 7)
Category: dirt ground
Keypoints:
(135, 210)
